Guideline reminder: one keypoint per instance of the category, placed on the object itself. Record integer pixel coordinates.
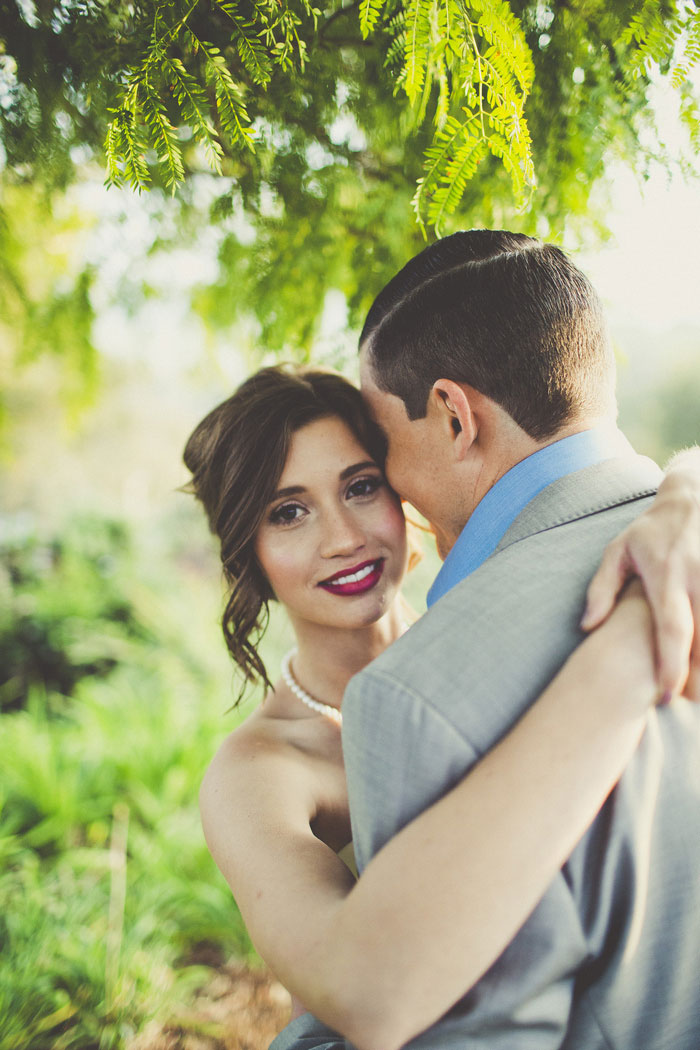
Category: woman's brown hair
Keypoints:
(236, 456)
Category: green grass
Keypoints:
(107, 891)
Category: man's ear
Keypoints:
(454, 402)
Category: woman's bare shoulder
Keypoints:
(259, 761)
(258, 739)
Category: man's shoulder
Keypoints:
(602, 488)
(543, 567)
(489, 647)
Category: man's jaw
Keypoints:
(443, 543)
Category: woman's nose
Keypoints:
(342, 534)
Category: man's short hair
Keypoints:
(505, 313)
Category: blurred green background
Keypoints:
(123, 319)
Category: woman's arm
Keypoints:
(382, 959)
(662, 546)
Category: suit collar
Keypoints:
(504, 501)
(588, 491)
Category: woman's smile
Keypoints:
(356, 580)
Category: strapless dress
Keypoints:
(347, 855)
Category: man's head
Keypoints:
(493, 342)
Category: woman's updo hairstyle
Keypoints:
(236, 456)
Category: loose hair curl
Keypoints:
(236, 456)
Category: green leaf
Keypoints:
(229, 99)
(417, 44)
(436, 163)
(655, 38)
(690, 55)
(164, 137)
(370, 11)
(130, 147)
(194, 108)
(462, 167)
(251, 50)
(112, 155)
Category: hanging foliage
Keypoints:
(303, 141)
(155, 79)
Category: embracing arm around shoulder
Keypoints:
(381, 959)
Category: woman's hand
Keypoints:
(662, 547)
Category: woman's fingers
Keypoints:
(606, 585)
(672, 585)
(692, 685)
(674, 630)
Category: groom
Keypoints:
(486, 363)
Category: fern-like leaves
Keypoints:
(472, 52)
(183, 80)
(231, 109)
(690, 53)
(230, 105)
(251, 50)
(194, 107)
(417, 44)
(463, 64)
(165, 137)
(457, 150)
(370, 11)
(477, 55)
(668, 40)
(125, 147)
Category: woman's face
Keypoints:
(333, 542)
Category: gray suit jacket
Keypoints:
(609, 958)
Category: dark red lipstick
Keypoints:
(355, 580)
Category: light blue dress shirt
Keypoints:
(501, 505)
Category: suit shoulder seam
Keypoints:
(591, 512)
(397, 685)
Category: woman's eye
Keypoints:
(365, 486)
(286, 514)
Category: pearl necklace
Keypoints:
(324, 709)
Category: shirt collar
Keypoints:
(503, 502)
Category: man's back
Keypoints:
(610, 947)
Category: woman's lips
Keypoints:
(356, 580)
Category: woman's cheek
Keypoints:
(280, 563)
(287, 573)
(394, 527)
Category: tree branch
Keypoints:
(354, 6)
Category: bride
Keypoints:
(289, 472)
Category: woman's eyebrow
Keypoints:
(349, 471)
(291, 490)
(298, 490)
